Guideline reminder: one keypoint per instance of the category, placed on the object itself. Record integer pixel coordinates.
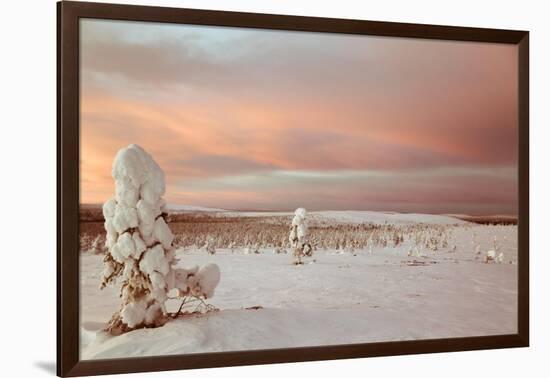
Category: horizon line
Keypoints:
(515, 216)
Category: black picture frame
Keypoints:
(68, 154)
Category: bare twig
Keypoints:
(179, 309)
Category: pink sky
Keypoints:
(252, 119)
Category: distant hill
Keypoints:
(488, 219)
(175, 207)
(91, 212)
(94, 213)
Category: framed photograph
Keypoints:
(239, 188)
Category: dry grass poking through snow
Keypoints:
(217, 230)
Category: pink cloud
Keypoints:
(366, 104)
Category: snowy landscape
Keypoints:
(434, 283)
(246, 189)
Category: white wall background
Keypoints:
(27, 186)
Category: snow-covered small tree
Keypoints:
(298, 236)
(97, 246)
(280, 247)
(491, 254)
(140, 246)
(210, 245)
(85, 242)
(256, 249)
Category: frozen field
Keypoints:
(366, 295)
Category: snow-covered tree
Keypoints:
(494, 254)
(140, 249)
(298, 236)
(280, 247)
(97, 246)
(210, 245)
(84, 242)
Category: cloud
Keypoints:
(223, 104)
(438, 190)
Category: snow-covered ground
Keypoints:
(339, 298)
